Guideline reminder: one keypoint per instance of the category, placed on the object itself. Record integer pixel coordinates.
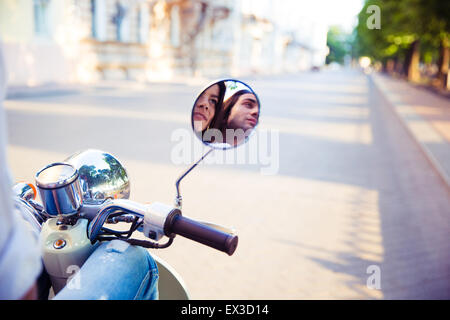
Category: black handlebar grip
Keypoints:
(204, 234)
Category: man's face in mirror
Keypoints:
(244, 114)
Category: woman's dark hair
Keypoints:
(222, 89)
(217, 108)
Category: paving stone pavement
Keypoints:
(427, 117)
(353, 198)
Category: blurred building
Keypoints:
(192, 38)
(88, 40)
(30, 31)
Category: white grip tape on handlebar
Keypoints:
(155, 218)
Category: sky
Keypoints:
(338, 12)
(291, 12)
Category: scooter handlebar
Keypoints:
(204, 234)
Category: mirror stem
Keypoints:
(178, 199)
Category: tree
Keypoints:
(407, 28)
(337, 42)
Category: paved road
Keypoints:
(353, 197)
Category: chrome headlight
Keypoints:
(101, 175)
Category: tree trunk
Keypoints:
(398, 65)
(412, 62)
(443, 63)
(389, 66)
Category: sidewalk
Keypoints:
(51, 89)
(425, 114)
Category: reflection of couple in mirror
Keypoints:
(225, 122)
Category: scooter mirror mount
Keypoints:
(224, 116)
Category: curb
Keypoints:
(403, 112)
(57, 89)
(19, 92)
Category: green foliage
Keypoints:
(338, 44)
(403, 22)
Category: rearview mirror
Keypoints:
(225, 114)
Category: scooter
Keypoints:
(90, 189)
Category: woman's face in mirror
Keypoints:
(205, 108)
(244, 113)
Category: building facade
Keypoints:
(89, 40)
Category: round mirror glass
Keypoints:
(225, 114)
